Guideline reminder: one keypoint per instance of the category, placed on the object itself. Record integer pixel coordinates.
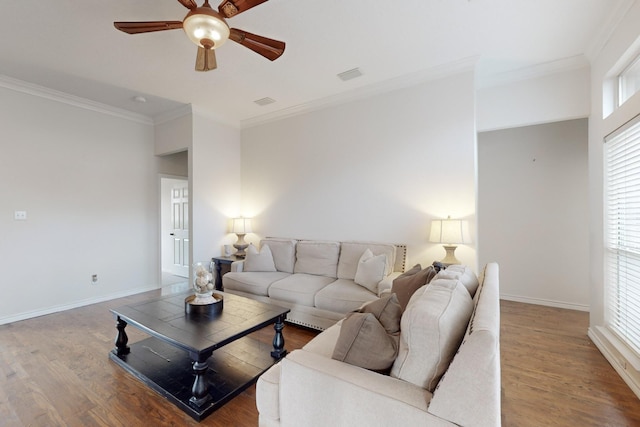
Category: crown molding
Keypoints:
(76, 101)
(401, 82)
(606, 31)
(217, 118)
(181, 111)
(533, 72)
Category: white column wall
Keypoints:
(214, 185)
(376, 169)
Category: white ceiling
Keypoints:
(71, 46)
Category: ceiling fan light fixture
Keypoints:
(203, 25)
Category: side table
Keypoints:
(223, 266)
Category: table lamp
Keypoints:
(450, 232)
(240, 227)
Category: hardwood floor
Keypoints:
(55, 371)
(553, 375)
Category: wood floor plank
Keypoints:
(55, 371)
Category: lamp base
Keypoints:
(450, 258)
(241, 246)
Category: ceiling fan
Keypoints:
(209, 30)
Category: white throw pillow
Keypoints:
(259, 261)
(370, 270)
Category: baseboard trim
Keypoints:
(603, 345)
(81, 303)
(546, 302)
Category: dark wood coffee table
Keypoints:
(198, 362)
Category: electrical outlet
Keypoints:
(94, 279)
(20, 215)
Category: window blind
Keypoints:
(622, 233)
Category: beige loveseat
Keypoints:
(320, 281)
(447, 372)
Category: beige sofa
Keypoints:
(320, 281)
(310, 388)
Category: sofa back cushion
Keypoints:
(462, 273)
(351, 252)
(283, 251)
(317, 257)
(431, 330)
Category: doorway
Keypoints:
(174, 229)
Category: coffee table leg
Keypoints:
(278, 341)
(121, 339)
(200, 388)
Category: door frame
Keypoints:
(165, 210)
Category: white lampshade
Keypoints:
(449, 231)
(206, 28)
(241, 225)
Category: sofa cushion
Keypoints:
(350, 253)
(259, 260)
(299, 288)
(406, 284)
(284, 252)
(464, 274)
(432, 328)
(369, 338)
(343, 296)
(256, 283)
(319, 258)
(370, 270)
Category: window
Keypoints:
(629, 81)
(622, 233)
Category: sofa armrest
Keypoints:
(237, 266)
(386, 283)
(342, 394)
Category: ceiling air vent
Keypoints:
(265, 101)
(350, 74)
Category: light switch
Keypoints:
(20, 215)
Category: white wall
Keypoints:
(375, 169)
(621, 40)
(533, 211)
(214, 161)
(88, 182)
(175, 134)
(562, 95)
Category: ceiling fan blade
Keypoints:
(189, 4)
(147, 27)
(206, 59)
(269, 48)
(230, 8)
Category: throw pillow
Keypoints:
(364, 342)
(388, 312)
(259, 261)
(406, 284)
(369, 338)
(370, 270)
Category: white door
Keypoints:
(180, 230)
